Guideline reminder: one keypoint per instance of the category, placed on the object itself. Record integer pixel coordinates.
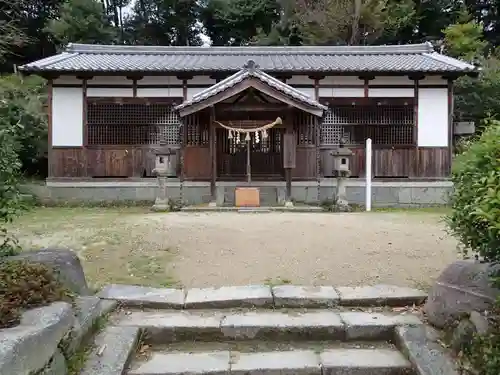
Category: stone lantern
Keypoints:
(341, 169)
(165, 166)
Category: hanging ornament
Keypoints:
(257, 138)
(230, 135)
(264, 134)
(238, 137)
(247, 137)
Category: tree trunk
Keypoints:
(355, 22)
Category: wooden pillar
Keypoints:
(451, 104)
(85, 128)
(416, 159)
(213, 155)
(50, 160)
(184, 134)
(289, 147)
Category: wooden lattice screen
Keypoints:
(132, 124)
(385, 125)
(305, 129)
(197, 131)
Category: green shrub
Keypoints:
(26, 285)
(475, 218)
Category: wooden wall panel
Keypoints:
(109, 162)
(394, 162)
(305, 163)
(433, 162)
(197, 163)
(67, 162)
(356, 162)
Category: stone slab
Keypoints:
(304, 296)
(165, 327)
(374, 326)
(107, 306)
(380, 295)
(229, 296)
(56, 366)
(364, 362)
(427, 357)
(297, 362)
(112, 351)
(28, 347)
(253, 325)
(133, 296)
(214, 363)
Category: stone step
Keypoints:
(112, 351)
(170, 326)
(307, 362)
(263, 296)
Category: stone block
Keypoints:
(66, 264)
(297, 362)
(86, 311)
(28, 348)
(229, 296)
(380, 295)
(304, 296)
(464, 286)
(56, 366)
(107, 306)
(165, 327)
(213, 363)
(364, 362)
(112, 351)
(274, 325)
(374, 326)
(427, 358)
(132, 295)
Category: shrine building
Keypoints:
(249, 116)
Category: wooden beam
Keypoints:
(416, 89)
(84, 125)
(451, 104)
(184, 89)
(50, 154)
(213, 155)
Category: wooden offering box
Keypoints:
(247, 197)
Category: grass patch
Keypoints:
(116, 245)
(276, 281)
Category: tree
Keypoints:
(464, 39)
(164, 22)
(82, 21)
(238, 22)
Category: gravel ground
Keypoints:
(214, 249)
(319, 249)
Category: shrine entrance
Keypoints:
(266, 157)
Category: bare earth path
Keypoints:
(213, 249)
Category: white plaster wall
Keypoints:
(341, 80)
(159, 80)
(174, 92)
(119, 92)
(348, 92)
(433, 117)
(67, 116)
(109, 80)
(201, 80)
(391, 93)
(391, 80)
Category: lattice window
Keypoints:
(131, 124)
(385, 124)
(197, 132)
(304, 127)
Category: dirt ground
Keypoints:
(213, 249)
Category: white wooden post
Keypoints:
(368, 187)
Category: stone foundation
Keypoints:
(384, 193)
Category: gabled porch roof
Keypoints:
(250, 76)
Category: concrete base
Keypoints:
(404, 193)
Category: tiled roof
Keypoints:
(126, 59)
(252, 70)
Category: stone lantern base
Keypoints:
(160, 205)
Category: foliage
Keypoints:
(464, 40)
(10, 197)
(478, 98)
(475, 219)
(82, 21)
(26, 285)
(484, 353)
(22, 109)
